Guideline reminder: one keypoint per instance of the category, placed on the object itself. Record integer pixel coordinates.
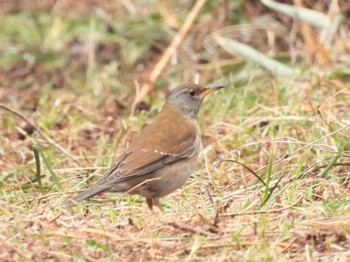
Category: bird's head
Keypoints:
(188, 97)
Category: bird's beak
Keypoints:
(210, 89)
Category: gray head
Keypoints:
(188, 97)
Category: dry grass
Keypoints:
(75, 79)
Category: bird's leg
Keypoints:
(157, 204)
(149, 202)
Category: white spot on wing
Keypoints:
(164, 153)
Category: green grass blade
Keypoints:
(267, 193)
(37, 163)
(330, 165)
(248, 168)
(49, 167)
(309, 16)
(9, 175)
(255, 56)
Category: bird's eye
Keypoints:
(192, 92)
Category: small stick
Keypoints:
(190, 229)
(47, 138)
(159, 67)
(102, 233)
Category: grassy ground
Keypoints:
(74, 78)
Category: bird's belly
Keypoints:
(167, 179)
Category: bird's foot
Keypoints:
(155, 201)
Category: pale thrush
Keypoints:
(165, 154)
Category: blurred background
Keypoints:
(107, 46)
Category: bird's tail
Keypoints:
(86, 194)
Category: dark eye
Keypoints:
(192, 92)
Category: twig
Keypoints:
(127, 240)
(168, 17)
(190, 229)
(159, 67)
(288, 246)
(264, 211)
(245, 244)
(5, 211)
(47, 138)
(102, 233)
(56, 217)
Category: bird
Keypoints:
(164, 155)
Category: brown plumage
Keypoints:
(165, 154)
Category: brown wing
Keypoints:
(165, 141)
